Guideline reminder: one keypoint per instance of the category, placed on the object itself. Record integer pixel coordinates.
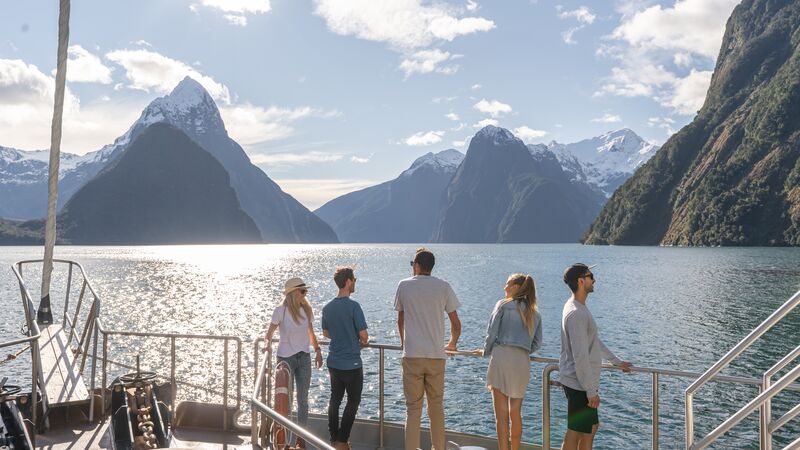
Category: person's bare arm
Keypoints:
(268, 337)
(455, 331)
(317, 350)
(401, 326)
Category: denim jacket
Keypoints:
(506, 328)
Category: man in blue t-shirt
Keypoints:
(344, 324)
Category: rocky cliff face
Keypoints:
(503, 192)
(165, 189)
(731, 177)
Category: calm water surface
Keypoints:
(678, 308)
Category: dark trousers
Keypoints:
(350, 381)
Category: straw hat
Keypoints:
(293, 284)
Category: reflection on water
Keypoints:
(678, 308)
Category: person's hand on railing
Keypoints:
(477, 352)
(450, 348)
(625, 366)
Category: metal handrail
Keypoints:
(88, 330)
(259, 407)
(723, 362)
(767, 425)
(551, 364)
(173, 337)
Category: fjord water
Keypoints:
(677, 308)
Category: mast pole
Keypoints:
(44, 316)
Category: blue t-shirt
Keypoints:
(343, 318)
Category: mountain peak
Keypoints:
(498, 135)
(189, 107)
(189, 91)
(445, 160)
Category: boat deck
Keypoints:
(63, 383)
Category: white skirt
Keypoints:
(509, 370)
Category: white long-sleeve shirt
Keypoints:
(582, 351)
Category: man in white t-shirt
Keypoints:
(421, 302)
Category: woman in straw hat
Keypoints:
(294, 320)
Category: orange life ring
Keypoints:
(281, 401)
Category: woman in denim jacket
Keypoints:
(514, 332)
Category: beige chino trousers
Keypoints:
(424, 377)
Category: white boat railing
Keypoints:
(70, 325)
(768, 390)
(264, 389)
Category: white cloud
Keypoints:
(424, 138)
(459, 144)
(143, 43)
(665, 123)
(492, 107)
(651, 38)
(150, 71)
(313, 193)
(694, 26)
(240, 6)
(459, 127)
(472, 6)
(608, 118)
(402, 24)
(26, 109)
(690, 92)
(361, 160)
(406, 26)
(293, 159)
(683, 59)
(527, 134)
(235, 11)
(236, 19)
(486, 122)
(582, 14)
(444, 99)
(84, 67)
(475, 87)
(567, 35)
(250, 125)
(452, 116)
(427, 61)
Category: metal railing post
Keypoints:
(172, 380)
(238, 374)
(66, 299)
(381, 418)
(548, 369)
(103, 377)
(92, 381)
(225, 388)
(655, 410)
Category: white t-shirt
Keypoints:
(424, 300)
(293, 336)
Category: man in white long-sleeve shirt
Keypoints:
(582, 354)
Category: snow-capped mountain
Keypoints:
(189, 107)
(603, 162)
(444, 161)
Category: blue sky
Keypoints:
(331, 96)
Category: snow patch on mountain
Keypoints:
(498, 135)
(603, 162)
(444, 161)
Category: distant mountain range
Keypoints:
(190, 109)
(423, 203)
(401, 210)
(732, 176)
